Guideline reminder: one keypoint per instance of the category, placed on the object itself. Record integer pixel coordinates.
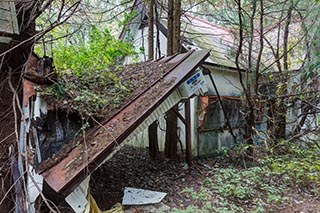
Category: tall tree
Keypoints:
(176, 46)
(170, 27)
(13, 59)
(150, 29)
(173, 46)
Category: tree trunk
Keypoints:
(173, 37)
(8, 136)
(150, 30)
(153, 140)
(176, 29)
(281, 115)
(280, 120)
(170, 28)
(12, 64)
(152, 130)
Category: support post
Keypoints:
(153, 140)
(188, 132)
(170, 150)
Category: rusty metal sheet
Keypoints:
(28, 91)
(86, 157)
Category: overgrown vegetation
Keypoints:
(98, 51)
(301, 163)
(89, 74)
(264, 188)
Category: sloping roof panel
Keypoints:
(87, 156)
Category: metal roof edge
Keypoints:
(221, 67)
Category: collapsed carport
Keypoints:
(67, 174)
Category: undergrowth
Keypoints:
(302, 164)
(261, 188)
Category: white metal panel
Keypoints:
(227, 82)
(140, 131)
(34, 187)
(78, 198)
(169, 102)
(142, 140)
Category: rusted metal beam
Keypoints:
(235, 98)
(220, 129)
(85, 158)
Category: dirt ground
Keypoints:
(132, 167)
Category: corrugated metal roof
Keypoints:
(137, 115)
(206, 35)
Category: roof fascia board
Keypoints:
(221, 67)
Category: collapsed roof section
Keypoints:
(137, 114)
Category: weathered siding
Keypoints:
(8, 18)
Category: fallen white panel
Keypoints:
(34, 188)
(134, 196)
(78, 198)
(40, 107)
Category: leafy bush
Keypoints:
(93, 55)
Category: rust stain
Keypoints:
(28, 86)
(28, 91)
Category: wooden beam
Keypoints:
(188, 132)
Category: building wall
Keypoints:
(8, 18)
(140, 41)
(215, 134)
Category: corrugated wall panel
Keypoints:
(167, 104)
(172, 100)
